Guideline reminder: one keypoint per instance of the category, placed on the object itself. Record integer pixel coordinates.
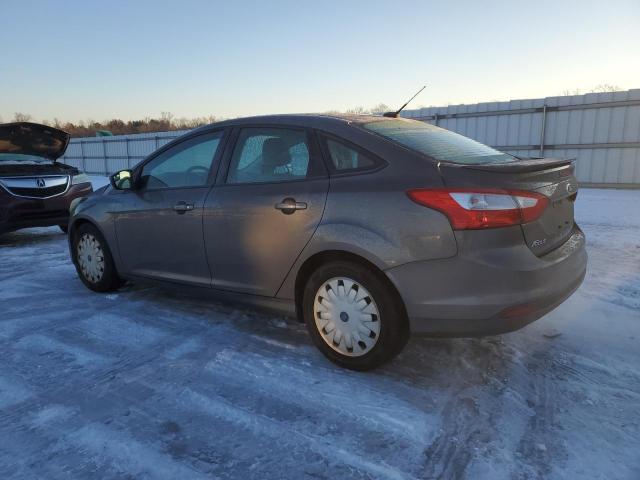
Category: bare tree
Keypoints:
(379, 109)
(166, 117)
(606, 87)
(21, 117)
(566, 92)
(356, 111)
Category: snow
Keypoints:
(145, 383)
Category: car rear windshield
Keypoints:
(438, 143)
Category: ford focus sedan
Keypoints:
(35, 190)
(366, 228)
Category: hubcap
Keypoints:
(346, 316)
(90, 258)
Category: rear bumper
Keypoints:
(19, 212)
(499, 289)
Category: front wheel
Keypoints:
(354, 316)
(93, 261)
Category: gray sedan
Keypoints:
(367, 228)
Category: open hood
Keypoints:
(27, 138)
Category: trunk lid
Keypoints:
(25, 138)
(551, 177)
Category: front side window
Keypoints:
(345, 158)
(188, 164)
(269, 155)
(438, 143)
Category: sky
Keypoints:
(95, 60)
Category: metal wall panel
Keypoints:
(106, 155)
(600, 130)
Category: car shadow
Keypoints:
(30, 236)
(423, 362)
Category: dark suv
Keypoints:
(35, 190)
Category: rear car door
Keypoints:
(159, 224)
(264, 208)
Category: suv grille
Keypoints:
(36, 187)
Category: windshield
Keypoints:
(22, 159)
(438, 143)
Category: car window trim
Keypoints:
(215, 162)
(378, 162)
(315, 157)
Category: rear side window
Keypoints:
(269, 155)
(438, 143)
(345, 158)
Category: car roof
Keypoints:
(308, 120)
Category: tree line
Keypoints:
(167, 122)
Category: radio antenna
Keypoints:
(397, 113)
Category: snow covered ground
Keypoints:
(148, 384)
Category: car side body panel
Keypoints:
(366, 224)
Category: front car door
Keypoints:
(159, 223)
(262, 213)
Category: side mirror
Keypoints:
(122, 180)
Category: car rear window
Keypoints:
(438, 143)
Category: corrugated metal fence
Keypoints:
(106, 155)
(600, 130)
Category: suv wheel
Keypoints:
(353, 316)
(93, 261)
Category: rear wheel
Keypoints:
(354, 316)
(93, 261)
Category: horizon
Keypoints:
(135, 61)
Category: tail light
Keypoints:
(472, 209)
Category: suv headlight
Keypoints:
(80, 178)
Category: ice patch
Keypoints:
(116, 330)
(12, 393)
(51, 414)
(122, 453)
(275, 343)
(190, 346)
(363, 405)
(261, 425)
(46, 345)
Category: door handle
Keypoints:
(182, 207)
(289, 206)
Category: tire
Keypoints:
(356, 299)
(64, 228)
(93, 261)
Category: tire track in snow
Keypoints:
(265, 426)
(296, 386)
(120, 452)
(54, 348)
(540, 446)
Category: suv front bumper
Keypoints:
(20, 212)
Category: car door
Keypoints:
(264, 208)
(159, 223)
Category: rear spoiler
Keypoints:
(520, 165)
